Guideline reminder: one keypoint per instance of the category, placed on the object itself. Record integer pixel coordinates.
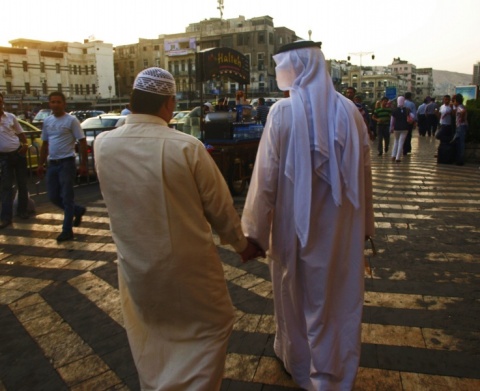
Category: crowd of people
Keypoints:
(447, 123)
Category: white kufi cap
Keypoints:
(156, 81)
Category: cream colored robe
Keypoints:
(318, 289)
(164, 193)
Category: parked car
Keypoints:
(92, 127)
(177, 117)
(82, 115)
(190, 123)
(40, 116)
(33, 135)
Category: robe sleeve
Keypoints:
(217, 201)
(259, 205)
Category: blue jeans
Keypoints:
(460, 133)
(60, 182)
(14, 166)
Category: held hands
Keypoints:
(252, 251)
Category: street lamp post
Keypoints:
(110, 96)
(119, 78)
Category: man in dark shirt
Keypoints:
(262, 111)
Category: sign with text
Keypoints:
(217, 62)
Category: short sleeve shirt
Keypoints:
(61, 134)
(9, 130)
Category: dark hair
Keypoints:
(352, 88)
(57, 93)
(408, 95)
(142, 102)
(446, 96)
(261, 100)
(459, 98)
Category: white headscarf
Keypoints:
(324, 137)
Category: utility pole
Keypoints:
(220, 8)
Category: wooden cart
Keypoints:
(235, 159)
(235, 154)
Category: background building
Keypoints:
(476, 74)
(32, 69)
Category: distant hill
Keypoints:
(445, 81)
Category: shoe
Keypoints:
(393, 159)
(380, 154)
(64, 236)
(78, 218)
(398, 161)
(5, 224)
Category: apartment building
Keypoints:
(31, 69)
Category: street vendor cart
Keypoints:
(231, 141)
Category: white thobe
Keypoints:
(318, 289)
(164, 194)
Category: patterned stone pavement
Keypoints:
(62, 329)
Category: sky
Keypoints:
(436, 34)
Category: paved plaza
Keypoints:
(61, 326)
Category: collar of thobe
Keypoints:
(145, 118)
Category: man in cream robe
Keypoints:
(309, 205)
(164, 194)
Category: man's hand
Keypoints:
(82, 170)
(252, 251)
(40, 171)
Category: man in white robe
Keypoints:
(164, 194)
(309, 205)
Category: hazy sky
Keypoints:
(428, 33)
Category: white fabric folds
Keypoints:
(324, 140)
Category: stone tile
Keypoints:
(26, 284)
(392, 335)
(63, 347)
(419, 381)
(8, 296)
(240, 367)
(82, 370)
(270, 371)
(106, 381)
(372, 379)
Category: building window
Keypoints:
(27, 88)
(57, 67)
(239, 39)
(79, 69)
(156, 47)
(132, 50)
(74, 69)
(132, 67)
(9, 87)
(270, 38)
(145, 64)
(42, 67)
(261, 37)
(44, 87)
(81, 89)
(182, 67)
(25, 66)
(76, 89)
(86, 69)
(87, 87)
(94, 89)
(92, 69)
(59, 87)
(144, 48)
(260, 61)
(157, 62)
